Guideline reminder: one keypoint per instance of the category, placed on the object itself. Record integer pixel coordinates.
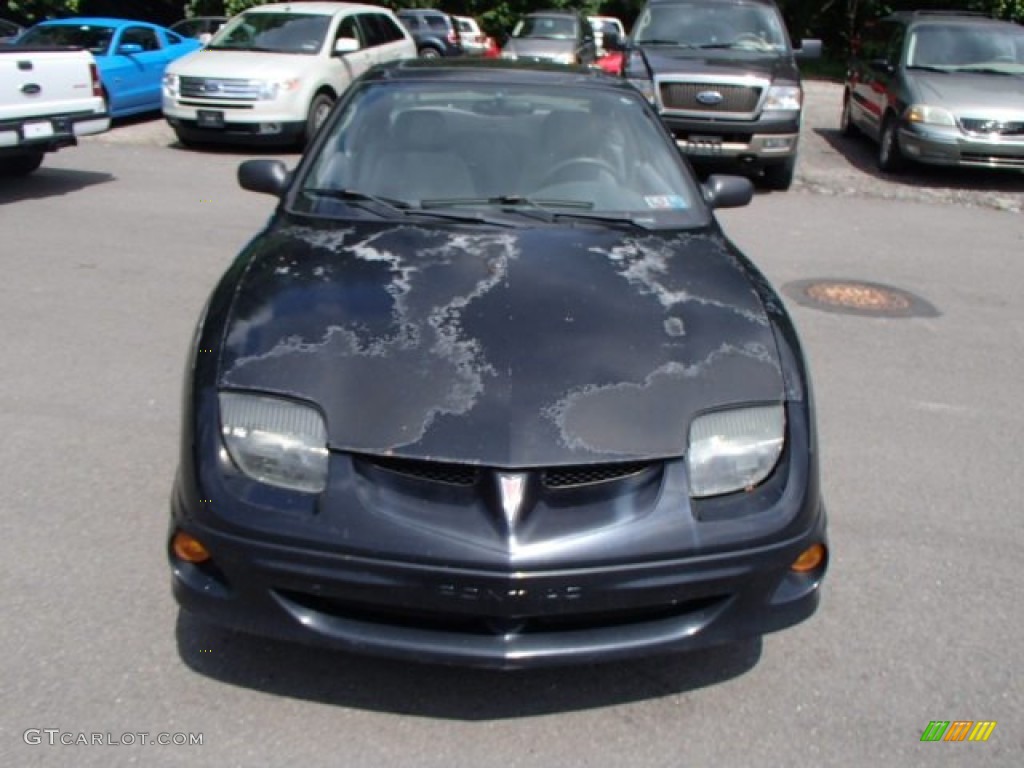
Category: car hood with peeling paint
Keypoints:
(501, 347)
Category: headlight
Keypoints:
(275, 441)
(564, 58)
(510, 55)
(787, 97)
(735, 449)
(645, 86)
(922, 114)
(268, 90)
(171, 84)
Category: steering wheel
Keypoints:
(750, 37)
(591, 162)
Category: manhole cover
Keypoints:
(857, 297)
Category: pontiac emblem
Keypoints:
(512, 489)
(710, 98)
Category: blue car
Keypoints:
(131, 56)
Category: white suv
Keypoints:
(273, 72)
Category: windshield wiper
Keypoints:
(519, 204)
(632, 222)
(658, 41)
(925, 68)
(391, 204)
(985, 71)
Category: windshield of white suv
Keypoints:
(522, 152)
(549, 27)
(713, 24)
(965, 47)
(274, 33)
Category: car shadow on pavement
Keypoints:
(860, 152)
(48, 182)
(454, 693)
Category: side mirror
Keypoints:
(268, 176)
(721, 191)
(809, 49)
(881, 66)
(345, 45)
(129, 49)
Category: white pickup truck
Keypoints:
(48, 98)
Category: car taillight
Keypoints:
(97, 85)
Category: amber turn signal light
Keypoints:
(809, 559)
(189, 548)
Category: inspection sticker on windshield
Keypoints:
(664, 201)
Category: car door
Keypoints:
(387, 38)
(875, 75)
(138, 60)
(350, 65)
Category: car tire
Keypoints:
(319, 108)
(21, 165)
(779, 176)
(890, 159)
(846, 124)
(187, 143)
(429, 53)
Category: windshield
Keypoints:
(546, 27)
(532, 151)
(94, 39)
(273, 32)
(965, 47)
(712, 24)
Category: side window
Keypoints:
(371, 33)
(389, 31)
(877, 41)
(349, 28)
(140, 36)
(174, 39)
(894, 50)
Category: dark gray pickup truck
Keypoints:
(724, 78)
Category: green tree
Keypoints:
(37, 10)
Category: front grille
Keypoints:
(468, 475)
(472, 624)
(218, 88)
(431, 471)
(734, 98)
(992, 127)
(591, 474)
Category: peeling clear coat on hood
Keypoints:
(508, 348)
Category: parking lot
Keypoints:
(109, 253)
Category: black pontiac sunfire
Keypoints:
(492, 388)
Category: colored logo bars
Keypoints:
(958, 730)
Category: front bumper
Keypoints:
(753, 144)
(250, 122)
(390, 563)
(943, 146)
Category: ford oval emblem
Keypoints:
(710, 98)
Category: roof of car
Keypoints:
(97, 21)
(925, 17)
(498, 71)
(316, 8)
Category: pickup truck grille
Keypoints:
(699, 97)
(220, 89)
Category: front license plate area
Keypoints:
(37, 130)
(703, 145)
(210, 118)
